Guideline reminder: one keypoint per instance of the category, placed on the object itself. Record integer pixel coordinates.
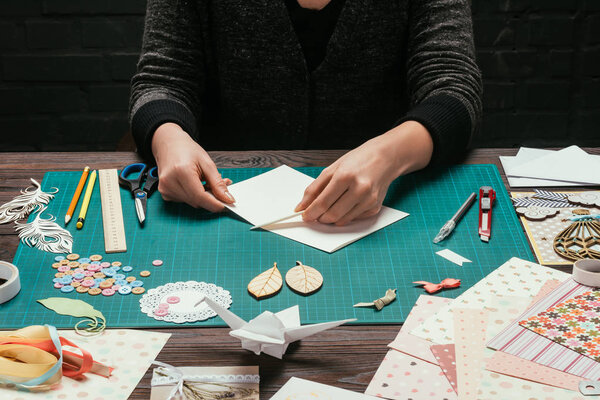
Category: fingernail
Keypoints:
(298, 207)
(229, 196)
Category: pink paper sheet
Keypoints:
(470, 327)
(446, 358)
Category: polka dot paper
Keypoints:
(494, 386)
(470, 327)
(446, 358)
(402, 377)
(130, 352)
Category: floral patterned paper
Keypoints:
(574, 323)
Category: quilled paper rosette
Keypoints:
(33, 359)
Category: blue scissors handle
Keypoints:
(146, 180)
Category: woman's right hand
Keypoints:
(182, 166)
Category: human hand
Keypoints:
(182, 166)
(355, 185)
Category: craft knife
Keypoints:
(486, 200)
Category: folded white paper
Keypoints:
(570, 166)
(301, 389)
(276, 193)
(452, 256)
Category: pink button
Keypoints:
(161, 312)
(79, 271)
(173, 300)
(115, 287)
(64, 268)
(88, 273)
(163, 305)
(108, 292)
(94, 268)
(104, 264)
(88, 283)
(58, 285)
(157, 263)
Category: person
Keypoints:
(395, 80)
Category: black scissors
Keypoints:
(141, 187)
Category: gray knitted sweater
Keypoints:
(232, 74)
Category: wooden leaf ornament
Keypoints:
(267, 283)
(304, 279)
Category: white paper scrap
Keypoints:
(276, 193)
(452, 256)
(301, 389)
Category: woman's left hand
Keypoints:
(355, 185)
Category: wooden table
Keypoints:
(346, 357)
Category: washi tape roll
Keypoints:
(11, 287)
(587, 272)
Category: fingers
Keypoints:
(196, 195)
(218, 185)
(314, 189)
(340, 208)
(330, 194)
(357, 213)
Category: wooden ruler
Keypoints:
(112, 213)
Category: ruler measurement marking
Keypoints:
(112, 213)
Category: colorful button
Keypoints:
(88, 274)
(78, 276)
(59, 258)
(64, 262)
(69, 272)
(111, 280)
(94, 291)
(161, 312)
(94, 268)
(84, 266)
(121, 282)
(100, 275)
(75, 284)
(55, 265)
(145, 273)
(127, 268)
(125, 290)
(105, 264)
(72, 256)
(130, 279)
(66, 280)
(57, 285)
(157, 263)
(88, 283)
(163, 305)
(67, 289)
(78, 271)
(105, 285)
(74, 264)
(138, 290)
(136, 283)
(98, 280)
(56, 280)
(119, 276)
(95, 262)
(173, 299)
(116, 287)
(96, 257)
(84, 260)
(116, 263)
(63, 268)
(82, 289)
(59, 275)
(109, 271)
(107, 292)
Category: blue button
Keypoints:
(95, 262)
(99, 280)
(84, 261)
(122, 282)
(127, 268)
(125, 289)
(119, 276)
(79, 276)
(67, 289)
(109, 271)
(66, 280)
(56, 280)
(59, 258)
(137, 283)
(96, 285)
(115, 268)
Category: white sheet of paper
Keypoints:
(301, 389)
(452, 256)
(571, 164)
(276, 193)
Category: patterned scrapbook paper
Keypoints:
(516, 277)
(446, 358)
(507, 364)
(424, 307)
(495, 386)
(574, 323)
(470, 326)
(524, 343)
(402, 377)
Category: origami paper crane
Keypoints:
(269, 333)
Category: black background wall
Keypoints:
(65, 67)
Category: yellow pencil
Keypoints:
(86, 199)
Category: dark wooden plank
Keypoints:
(345, 357)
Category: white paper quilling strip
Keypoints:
(587, 272)
(20, 207)
(45, 234)
(11, 287)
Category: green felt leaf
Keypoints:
(74, 308)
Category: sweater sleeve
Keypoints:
(444, 82)
(170, 78)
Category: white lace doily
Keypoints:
(170, 378)
(189, 293)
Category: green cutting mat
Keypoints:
(221, 249)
